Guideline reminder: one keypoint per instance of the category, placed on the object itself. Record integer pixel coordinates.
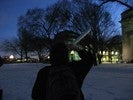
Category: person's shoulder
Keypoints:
(44, 69)
(76, 63)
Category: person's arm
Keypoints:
(82, 67)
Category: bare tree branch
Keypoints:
(119, 1)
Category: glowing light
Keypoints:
(72, 52)
(11, 57)
(104, 59)
(100, 52)
(103, 52)
(116, 53)
(48, 57)
(117, 59)
(112, 52)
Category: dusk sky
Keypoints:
(10, 10)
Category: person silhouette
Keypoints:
(59, 55)
(1, 61)
(1, 91)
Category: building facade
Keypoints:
(127, 35)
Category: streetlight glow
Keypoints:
(11, 57)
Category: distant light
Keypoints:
(116, 53)
(104, 59)
(103, 52)
(48, 57)
(100, 52)
(25, 59)
(11, 57)
(72, 52)
(112, 52)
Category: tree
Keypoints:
(29, 29)
(25, 42)
(58, 16)
(126, 3)
(40, 26)
(45, 23)
(32, 24)
(92, 16)
(38, 46)
(13, 46)
(115, 42)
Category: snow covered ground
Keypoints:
(103, 82)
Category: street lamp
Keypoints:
(11, 57)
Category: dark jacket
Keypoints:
(39, 89)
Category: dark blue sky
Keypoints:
(10, 10)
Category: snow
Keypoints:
(103, 82)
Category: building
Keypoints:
(127, 35)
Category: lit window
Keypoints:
(117, 59)
(99, 52)
(112, 52)
(25, 59)
(116, 53)
(103, 52)
(104, 59)
(107, 53)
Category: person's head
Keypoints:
(59, 54)
(86, 56)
